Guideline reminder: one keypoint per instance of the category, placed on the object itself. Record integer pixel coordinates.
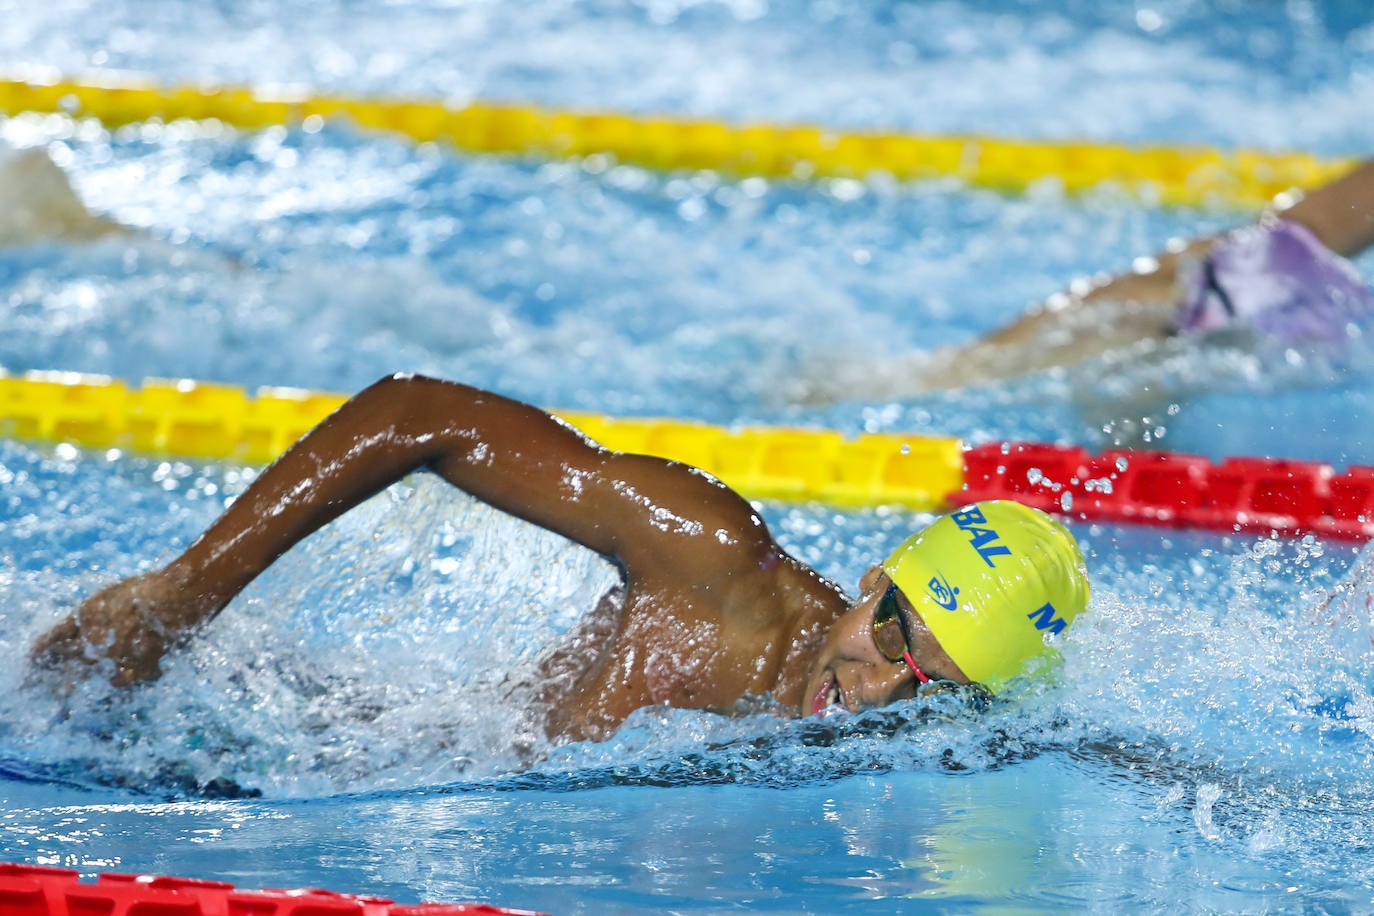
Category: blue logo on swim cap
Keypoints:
(1046, 617)
(986, 541)
(946, 597)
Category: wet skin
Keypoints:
(850, 671)
(712, 611)
(1127, 314)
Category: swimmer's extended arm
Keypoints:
(1142, 304)
(1137, 307)
(1340, 213)
(653, 517)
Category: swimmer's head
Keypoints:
(991, 581)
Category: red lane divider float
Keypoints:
(1254, 495)
(33, 890)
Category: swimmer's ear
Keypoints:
(870, 578)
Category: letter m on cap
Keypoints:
(1046, 618)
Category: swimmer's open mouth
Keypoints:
(827, 696)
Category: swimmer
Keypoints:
(1285, 277)
(710, 613)
(37, 202)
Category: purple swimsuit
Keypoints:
(1276, 279)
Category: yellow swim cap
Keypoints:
(990, 580)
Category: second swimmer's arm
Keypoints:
(1340, 214)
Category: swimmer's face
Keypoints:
(852, 671)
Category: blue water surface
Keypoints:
(346, 724)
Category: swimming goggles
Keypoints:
(890, 635)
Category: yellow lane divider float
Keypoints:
(196, 420)
(188, 419)
(1171, 175)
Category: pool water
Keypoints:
(348, 724)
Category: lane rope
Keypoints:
(199, 420)
(190, 419)
(1194, 176)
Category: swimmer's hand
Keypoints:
(132, 623)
